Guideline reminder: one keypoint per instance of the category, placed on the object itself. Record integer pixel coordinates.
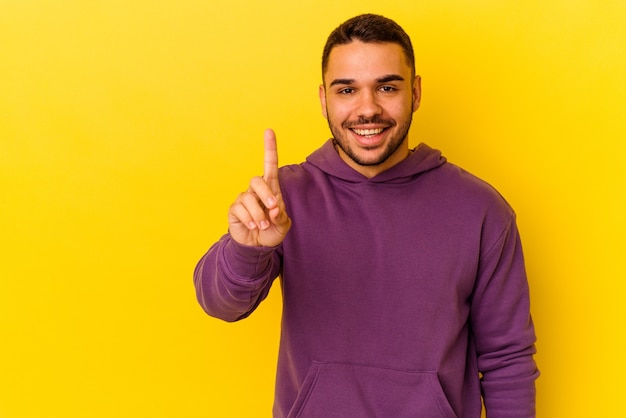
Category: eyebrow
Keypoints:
(383, 79)
(390, 77)
(346, 81)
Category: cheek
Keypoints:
(401, 109)
(337, 113)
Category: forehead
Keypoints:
(359, 60)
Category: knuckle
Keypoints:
(237, 209)
(250, 199)
(254, 181)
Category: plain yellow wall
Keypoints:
(128, 127)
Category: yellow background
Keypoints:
(128, 126)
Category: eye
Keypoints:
(387, 89)
(346, 91)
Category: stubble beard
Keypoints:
(391, 147)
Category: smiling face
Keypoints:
(368, 97)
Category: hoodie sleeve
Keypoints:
(503, 330)
(231, 279)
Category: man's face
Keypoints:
(369, 96)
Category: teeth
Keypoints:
(367, 132)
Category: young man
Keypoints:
(404, 289)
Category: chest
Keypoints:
(371, 240)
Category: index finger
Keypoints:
(270, 172)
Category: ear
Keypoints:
(322, 95)
(417, 92)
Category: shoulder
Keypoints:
(294, 174)
(469, 193)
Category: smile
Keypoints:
(367, 132)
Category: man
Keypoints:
(403, 281)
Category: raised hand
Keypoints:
(258, 216)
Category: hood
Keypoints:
(422, 159)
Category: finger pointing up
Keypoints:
(270, 173)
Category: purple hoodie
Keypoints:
(404, 295)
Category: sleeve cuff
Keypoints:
(247, 262)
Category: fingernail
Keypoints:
(271, 201)
(264, 224)
(251, 225)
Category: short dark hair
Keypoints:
(369, 28)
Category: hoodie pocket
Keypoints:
(349, 390)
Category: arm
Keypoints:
(503, 330)
(232, 279)
(237, 272)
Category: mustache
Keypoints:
(375, 120)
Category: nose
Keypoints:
(368, 105)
